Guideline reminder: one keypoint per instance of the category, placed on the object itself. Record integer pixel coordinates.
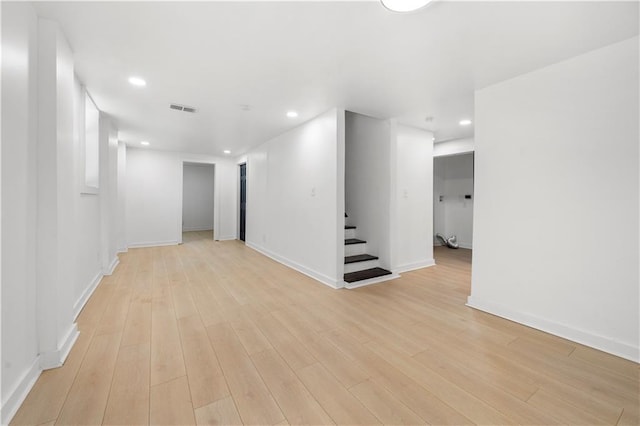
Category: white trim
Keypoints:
(16, 397)
(154, 244)
(583, 337)
(86, 294)
(122, 250)
(115, 262)
(197, 228)
(229, 238)
(56, 358)
(293, 265)
(414, 265)
(467, 246)
(370, 281)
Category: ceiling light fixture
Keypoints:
(226, 151)
(404, 5)
(145, 143)
(292, 114)
(137, 81)
(465, 122)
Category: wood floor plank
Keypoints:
(137, 327)
(253, 399)
(45, 400)
(342, 406)
(129, 394)
(297, 404)
(216, 333)
(287, 346)
(167, 362)
(467, 404)
(206, 382)
(562, 410)
(220, 412)
(383, 404)
(170, 403)
(87, 398)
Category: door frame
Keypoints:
(216, 203)
(240, 201)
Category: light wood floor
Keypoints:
(215, 333)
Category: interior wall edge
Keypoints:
(19, 393)
(413, 266)
(86, 294)
(335, 284)
(582, 337)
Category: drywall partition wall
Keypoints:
(88, 226)
(19, 349)
(368, 182)
(197, 197)
(56, 213)
(154, 196)
(556, 170)
(453, 147)
(414, 186)
(453, 213)
(293, 210)
(121, 198)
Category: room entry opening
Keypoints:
(243, 201)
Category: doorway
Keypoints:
(197, 201)
(243, 201)
(453, 203)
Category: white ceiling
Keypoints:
(310, 57)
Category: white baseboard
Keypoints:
(370, 281)
(197, 228)
(16, 396)
(467, 246)
(583, 337)
(86, 294)
(414, 265)
(122, 249)
(112, 266)
(300, 268)
(54, 359)
(228, 238)
(153, 244)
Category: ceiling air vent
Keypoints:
(184, 108)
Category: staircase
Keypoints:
(359, 266)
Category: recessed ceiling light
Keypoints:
(226, 151)
(145, 143)
(465, 122)
(292, 114)
(404, 5)
(137, 81)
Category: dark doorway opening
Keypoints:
(243, 201)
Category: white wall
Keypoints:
(54, 231)
(197, 197)
(121, 209)
(453, 179)
(414, 187)
(557, 174)
(19, 112)
(88, 210)
(453, 147)
(295, 207)
(368, 182)
(154, 196)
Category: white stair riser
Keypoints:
(353, 249)
(349, 233)
(360, 266)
